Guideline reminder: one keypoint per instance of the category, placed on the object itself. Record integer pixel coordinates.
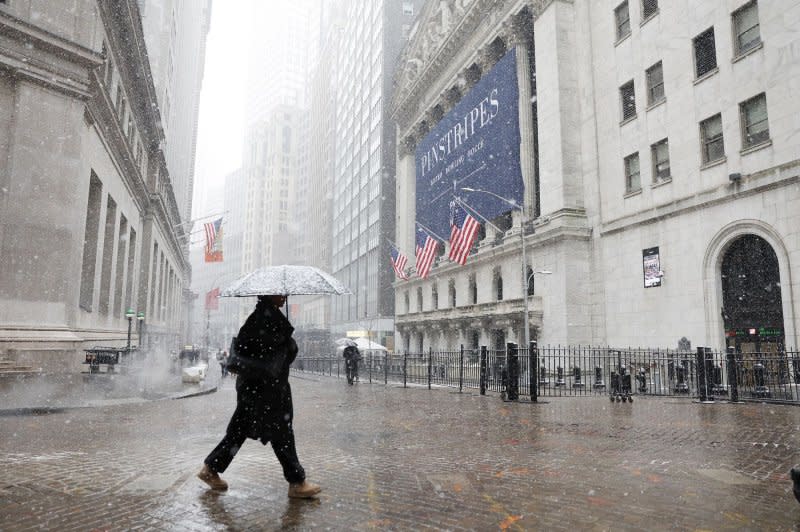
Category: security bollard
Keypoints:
(702, 390)
(430, 366)
(733, 374)
(627, 385)
(533, 356)
(461, 369)
(512, 362)
(560, 376)
(761, 389)
(576, 377)
(483, 370)
(717, 387)
(641, 378)
(598, 378)
(680, 377)
(796, 370)
(543, 380)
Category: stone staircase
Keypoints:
(11, 368)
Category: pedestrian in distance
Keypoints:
(223, 364)
(264, 350)
(351, 357)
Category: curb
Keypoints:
(44, 410)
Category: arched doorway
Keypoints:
(752, 309)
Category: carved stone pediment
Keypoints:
(443, 29)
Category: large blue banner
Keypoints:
(476, 145)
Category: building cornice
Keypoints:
(44, 58)
(766, 180)
(123, 27)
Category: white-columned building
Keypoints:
(658, 147)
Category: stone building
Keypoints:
(658, 147)
(89, 222)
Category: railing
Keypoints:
(562, 371)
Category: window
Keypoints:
(529, 275)
(408, 9)
(755, 127)
(655, 84)
(473, 289)
(746, 28)
(649, 8)
(705, 53)
(632, 177)
(623, 19)
(711, 136)
(659, 152)
(452, 288)
(435, 297)
(419, 299)
(498, 285)
(90, 242)
(628, 101)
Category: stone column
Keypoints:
(516, 38)
(560, 177)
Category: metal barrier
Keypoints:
(573, 371)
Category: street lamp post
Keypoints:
(140, 319)
(525, 276)
(129, 314)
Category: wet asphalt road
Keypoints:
(390, 458)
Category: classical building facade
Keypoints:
(658, 147)
(89, 222)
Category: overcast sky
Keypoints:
(220, 129)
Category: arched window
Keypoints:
(473, 289)
(498, 285)
(408, 306)
(452, 291)
(530, 278)
(419, 299)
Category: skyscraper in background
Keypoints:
(175, 34)
(363, 179)
(282, 50)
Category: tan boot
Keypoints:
(212, 478)
(303, 490)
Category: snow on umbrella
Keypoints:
(285, 280)
(346, 342)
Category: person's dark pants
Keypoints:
(282, 442)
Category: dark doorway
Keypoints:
(751, 296)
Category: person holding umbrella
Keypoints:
(264, 351)
(351, 358)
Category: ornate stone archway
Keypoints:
(712, 277)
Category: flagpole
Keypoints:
(398, 248)
(523, 218)
(431, 232)
(482, 217)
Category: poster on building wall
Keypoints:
(475, 145)
(651, 263)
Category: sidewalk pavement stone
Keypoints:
(390, 458)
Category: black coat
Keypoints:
(263, 394)
(351, 354)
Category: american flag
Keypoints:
(426, 252)
(463, 230)
(212, 299)
(399, 262)
(213, 240)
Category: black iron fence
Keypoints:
(555, 371)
